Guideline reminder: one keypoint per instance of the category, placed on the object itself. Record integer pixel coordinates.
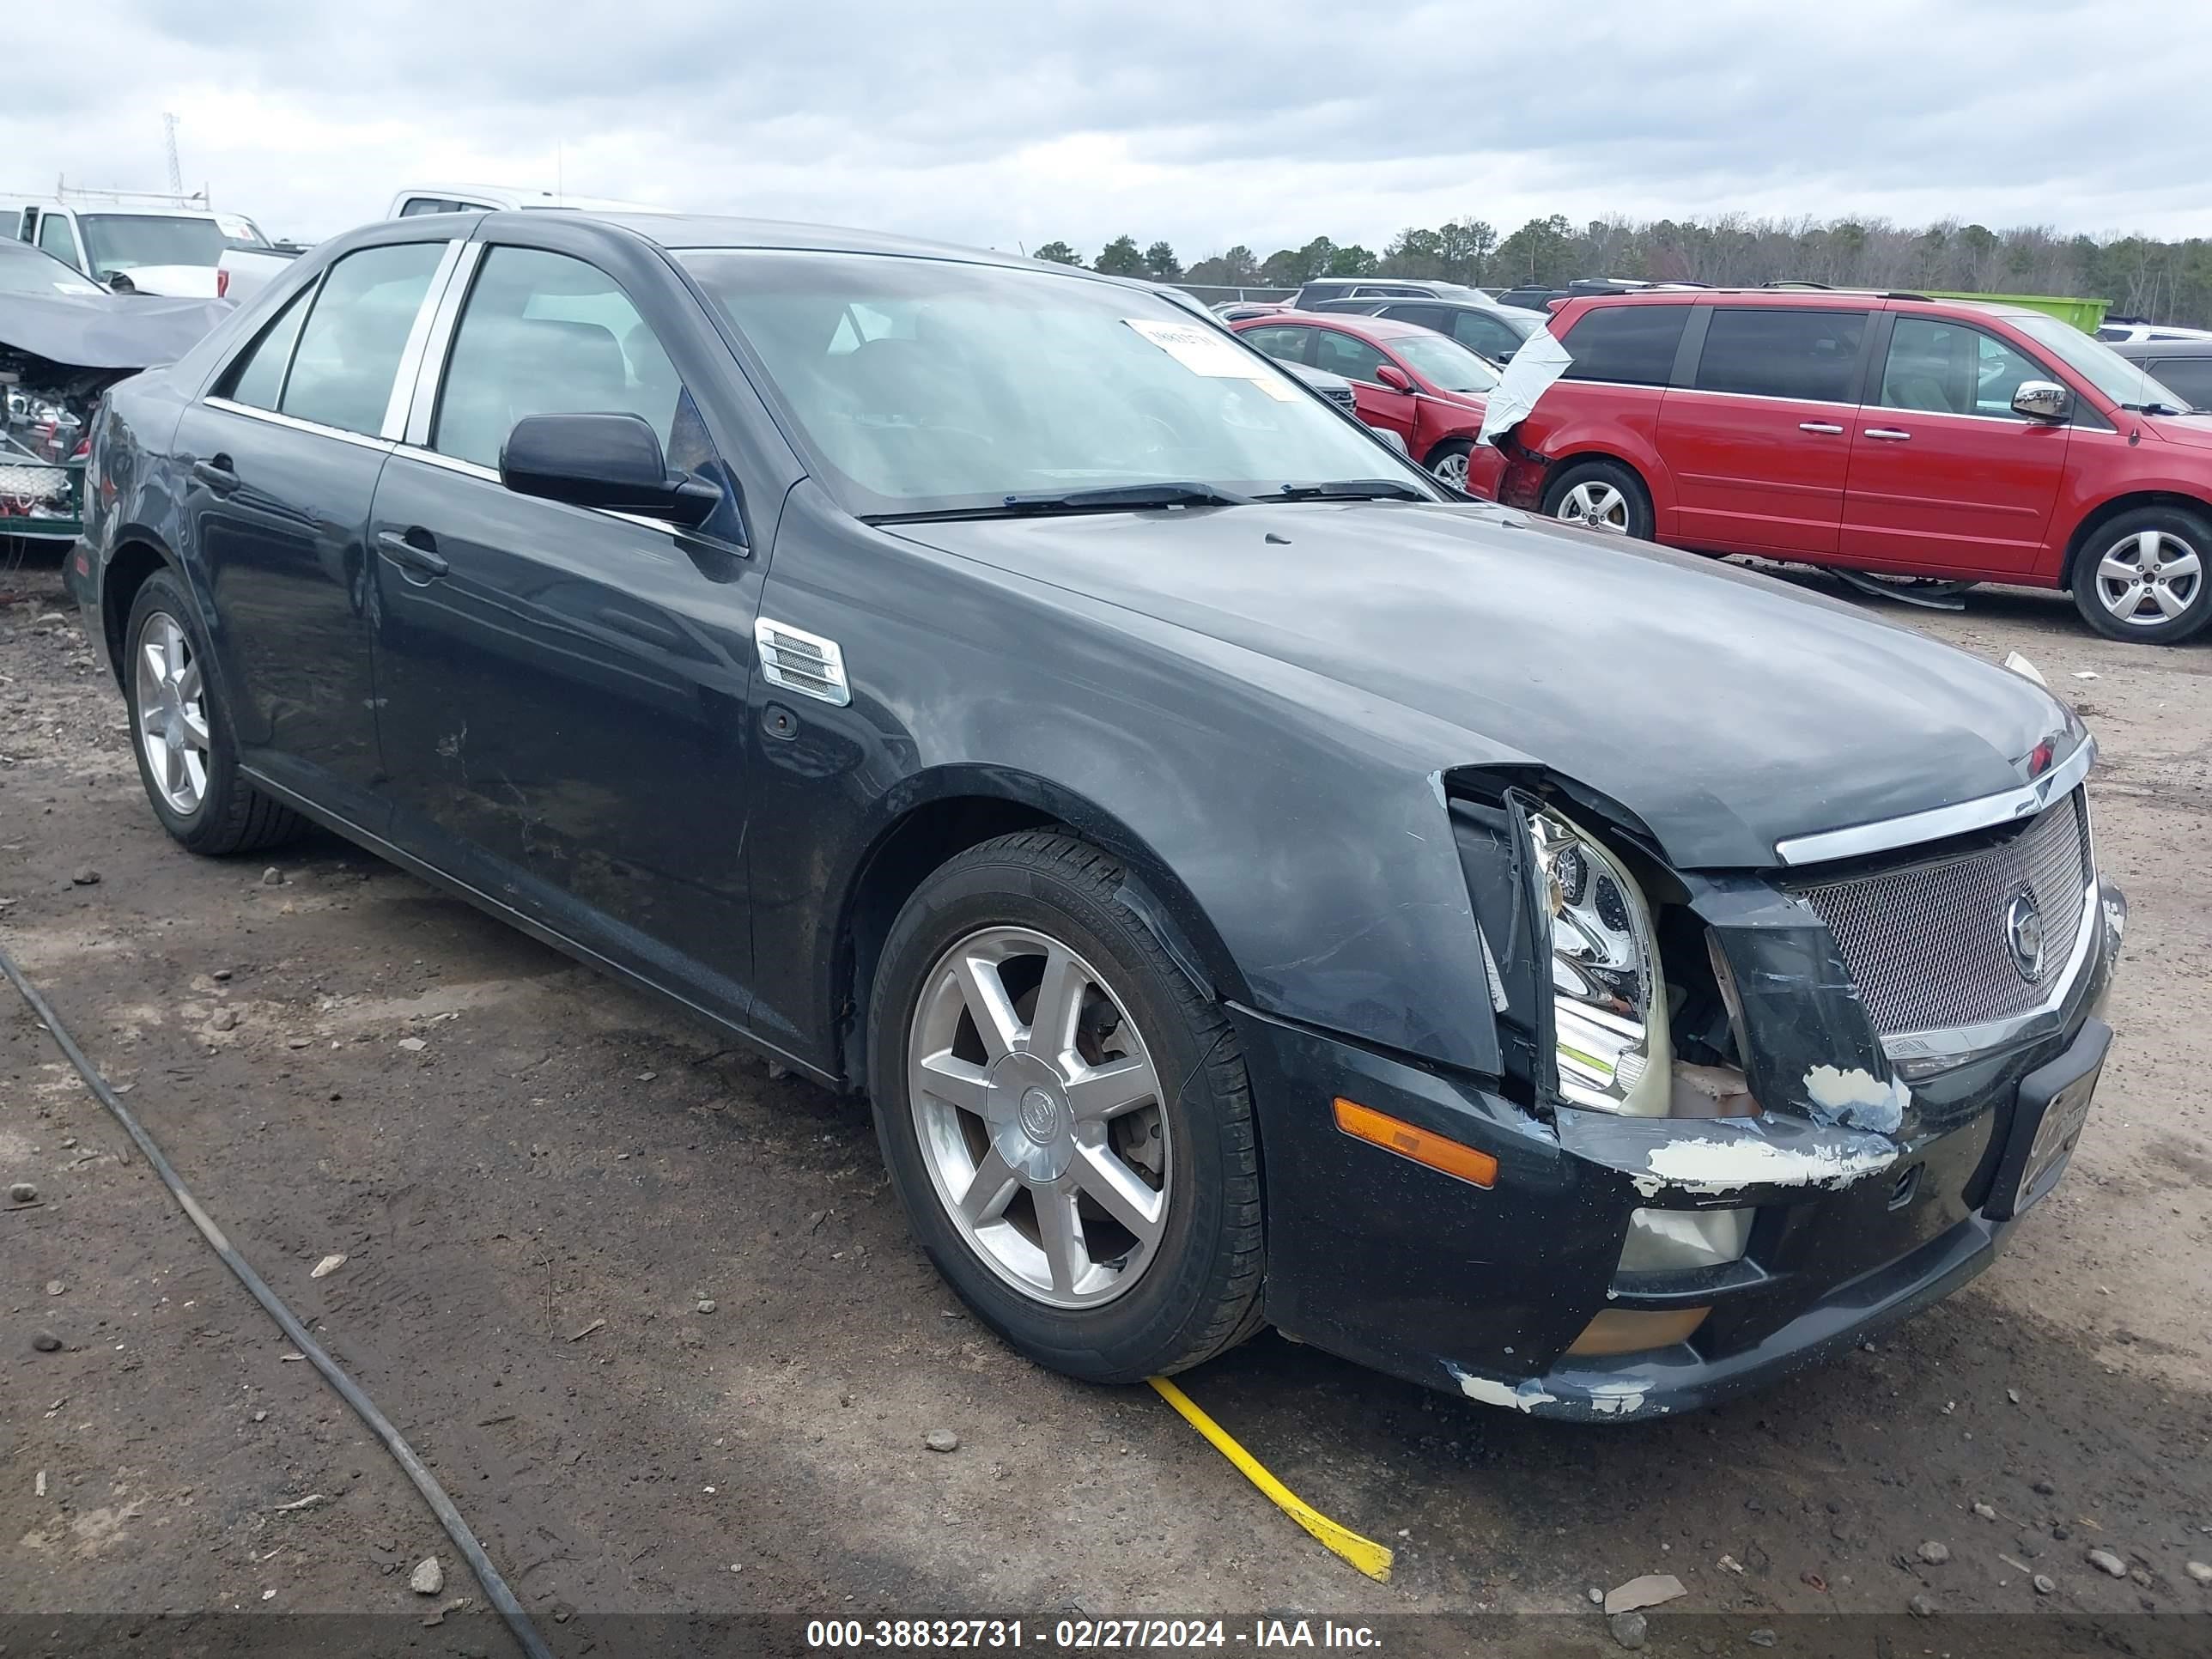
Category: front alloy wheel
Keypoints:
(1036, 1106)
(172, 717)
(1066, 1114)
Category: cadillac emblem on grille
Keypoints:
(2023, 924)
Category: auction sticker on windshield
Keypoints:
(1203, 352)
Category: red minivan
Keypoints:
(1886, 433)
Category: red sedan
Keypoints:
(1423, 385)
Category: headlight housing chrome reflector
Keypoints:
(1612, 1050)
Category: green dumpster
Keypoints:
(2085, 314)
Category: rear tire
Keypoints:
(2142, 576)
(1017, 1170)
(1602, 496)
(180, 732)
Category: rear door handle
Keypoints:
(215, 473)
(1887, 434)
(1828, 427)
(402, 551)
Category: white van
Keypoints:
(498, 198)
(133, 248)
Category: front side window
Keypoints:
(56, 239)
(349, 350)
(1811, 355)
(257, 378)
(1630, 345)
(1000, 381)
(1340, 354)
(546, 334)
(1941, 367)
(125, 241)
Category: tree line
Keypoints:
(2140, 276)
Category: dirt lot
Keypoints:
(538, 1178)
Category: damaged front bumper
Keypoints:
(1856, 1215)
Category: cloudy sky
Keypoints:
(1011, 125)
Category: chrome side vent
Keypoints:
(802, 662)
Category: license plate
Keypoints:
(2056, 1134)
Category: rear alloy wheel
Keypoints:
(2142, 576)
(1065, 1118)
(180, 734)
(1600, 496)
(1448, 463)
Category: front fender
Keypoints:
(1303, 824)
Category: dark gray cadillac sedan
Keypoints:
(1252, 887)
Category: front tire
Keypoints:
(2141, 577)
(1065, 1118)
(1448, 463)
(180, 732)
(1600, 496)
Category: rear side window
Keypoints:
(1286, 344)
(1420, 316)
(257, 378)
(349, 350)
(1340, 354)
(544, 334)
(1633, 345)
(2189, 377)
(1812, 356)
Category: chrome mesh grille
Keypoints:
(1343, 398)
(1927, 942)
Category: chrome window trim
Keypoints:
(1745, 397)
(397, 406)
(1921, 1054)
(1885, 835)
(437, 347)
(360, 439)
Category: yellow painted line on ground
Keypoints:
(1364, 1554)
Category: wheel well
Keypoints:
(902, 859)
(2107, 512)
(127, 573)
(1442, 445)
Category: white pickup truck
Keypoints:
(132, 248)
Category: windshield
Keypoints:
(125, 241)
(936, 385)
(1445, 363)
(2125, 382)
(25, 270)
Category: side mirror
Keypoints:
(2042, 400)
(610, 461)
(1395, 378)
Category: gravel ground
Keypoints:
(540, 1180)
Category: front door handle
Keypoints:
(1887, 434)
(1828, 427)
(401, 550)
(218, 474)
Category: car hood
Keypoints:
(1725, 710)
(107, 330)
(2191, 431)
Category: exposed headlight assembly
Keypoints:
(1608, 997)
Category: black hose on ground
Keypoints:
(494, 1586)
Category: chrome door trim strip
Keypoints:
(361, 440)
(1885, 835)
(430, 366)
(410, 356)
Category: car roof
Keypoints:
(1481, 302)
(1795, 299)
(2137, 350)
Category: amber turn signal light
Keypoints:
(1422, 1145)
